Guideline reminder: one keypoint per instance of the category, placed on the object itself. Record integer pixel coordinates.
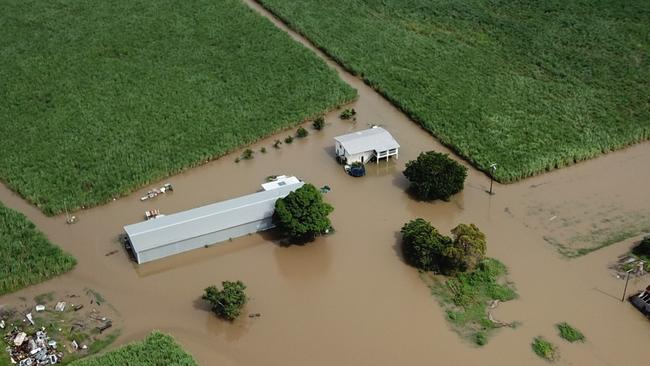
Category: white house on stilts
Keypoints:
(363, 146)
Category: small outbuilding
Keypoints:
(183, 231)
(363, 146)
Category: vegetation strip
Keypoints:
(466, 298)
(570, 333)
(100, 99)
(156, 350)
(26, 256)
(528, 85)
(545, 349)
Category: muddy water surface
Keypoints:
(348, 299)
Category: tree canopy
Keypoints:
(434, 176)
(423, 245)
(226, 303)
(425, 248)
(302, 215)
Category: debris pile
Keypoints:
(32, 350)
(167, 187)
(625, 264)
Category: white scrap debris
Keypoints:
(29, 317)
(2, 324)
(60, 306)
(75, 345)
(20, 338)
(39, 308)
(552, 218)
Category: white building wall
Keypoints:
(202, 241)
(358, 157)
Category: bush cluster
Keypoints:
(425, 248)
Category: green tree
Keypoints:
(434, 176)
(466, 250)
(302, 215)
(423, 246)
(226, 303)
(643, 249)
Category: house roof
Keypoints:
(375, 138)
(206, 219)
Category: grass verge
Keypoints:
(570, 333)
(26, 256)
(545, 349)
(100, 99)
(529, 85)
(156, 350)
(466, 298)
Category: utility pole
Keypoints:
(627, 279)
(493, 167)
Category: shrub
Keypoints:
(226, 303)
(467, 249)
(247, 154)
(319, 123)
(480, 338)
(570, 333)
(288, 139)
(435, 176)
(423, 246)
(277, 144)
(544, 349)
(348, 114)
(302, 215)
(301, 132)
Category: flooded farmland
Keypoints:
(348, 298)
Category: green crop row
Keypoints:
(156, 350)
(529, 85)
(26, 256)
(100, 98)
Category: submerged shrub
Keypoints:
(277, 144)
(263, 150)
(228, 302)
(247, 154)
(301, 132)
(288, 139)
(570, 333)
(544, 349)
(319, 123)
(348, 114)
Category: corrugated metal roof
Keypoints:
(375, 138)
(279, 181)
(206, 219)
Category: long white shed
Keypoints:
(183, 231)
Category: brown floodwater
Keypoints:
(348, 298)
